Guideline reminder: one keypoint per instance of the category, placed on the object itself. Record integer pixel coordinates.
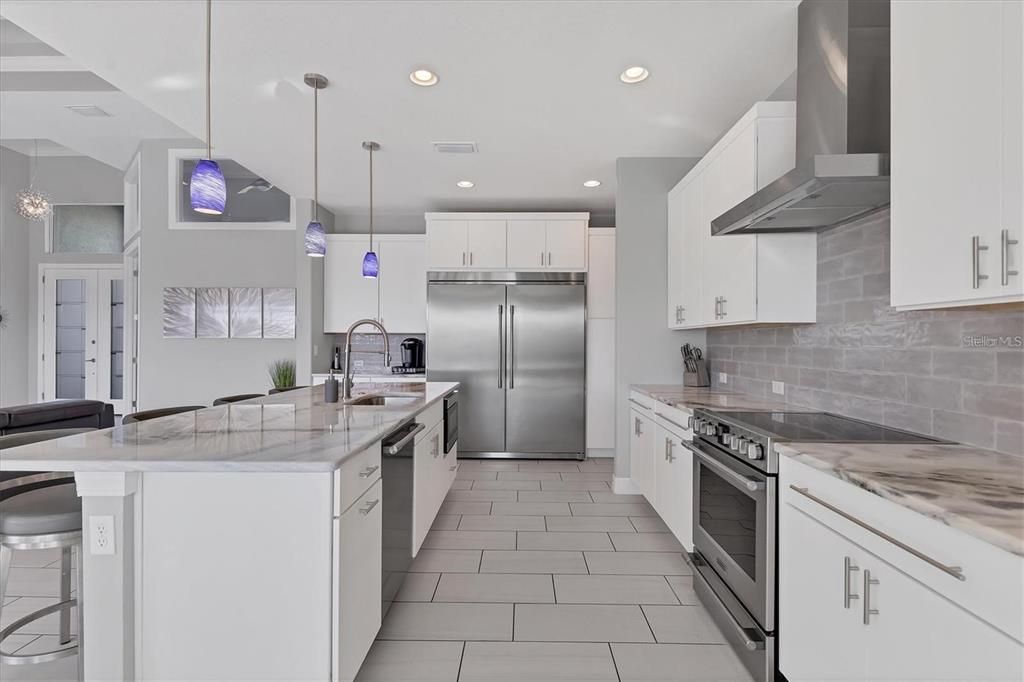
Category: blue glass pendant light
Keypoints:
(316, 240)
(371, 266)
(207, 190)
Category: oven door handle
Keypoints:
(753, 485)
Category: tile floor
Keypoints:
(534, 571)
(537, 571)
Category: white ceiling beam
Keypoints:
(39, 64)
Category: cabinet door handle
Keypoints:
(718, 304)
(542, 259)
(636, 426)
(668, 450)
(369, 507)
(463, 259)
(723, 307)
(471, 258)
(955, 571)
(437, 446)
(976, 249)
(1006, 243)
(682, 316)
(868, 611)
(368, 471)
(848, 568)
(549, 259)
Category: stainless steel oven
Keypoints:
(734, 526)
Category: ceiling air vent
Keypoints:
(455, 147)
(90, 110)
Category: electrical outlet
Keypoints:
(101, 535)
(358, 364)
(779, 387)
(723, 378)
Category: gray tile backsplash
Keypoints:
(373, 362)
(925, 371)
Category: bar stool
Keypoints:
(43, 518)
(146, 415)
(228, 399)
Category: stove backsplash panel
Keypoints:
(956, 373)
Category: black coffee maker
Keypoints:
(412, 356)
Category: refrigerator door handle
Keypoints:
(501, 344)
(511, 347)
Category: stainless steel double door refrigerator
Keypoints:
(517, 344)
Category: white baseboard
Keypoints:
(600, 453)
(623, 485)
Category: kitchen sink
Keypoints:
(383, 399)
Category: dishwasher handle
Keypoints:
(392, 447)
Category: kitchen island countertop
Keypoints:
(294, 431)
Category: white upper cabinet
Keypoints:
(507, 241)
(738, 279)
(397, 298)
(527, 244)
(485, 244)
(447, 244)
(403, 285)
(348, 296)
(957, 178)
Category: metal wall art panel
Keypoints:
(179, 313)
(279, 313)
(212, 313)
(246, 313)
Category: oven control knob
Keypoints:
(725, 439)
(740, 445)
(755, 451)
(709, 429)
(691, 421)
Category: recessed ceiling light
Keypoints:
(465, 184)
(592, 183)
(634, 74)
(423, 77)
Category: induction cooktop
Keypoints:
(820, 427)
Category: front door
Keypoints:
(83, 334)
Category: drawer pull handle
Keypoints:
(955, 571)
(868, 611)
(369, 507)
(848, 568)
(367, 472)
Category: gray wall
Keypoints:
(313, 348)
(646, 351)
(14, 282)
(914, 370)
(196, 371)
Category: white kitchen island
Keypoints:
(247, 537)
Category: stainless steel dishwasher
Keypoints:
(396, 514)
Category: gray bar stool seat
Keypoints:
(228, 399)
(43, 518)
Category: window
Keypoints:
(87, 229)
(252, 202)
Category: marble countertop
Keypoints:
(293, 431)
(980, 492)
(687, 397)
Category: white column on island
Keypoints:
(108, 638)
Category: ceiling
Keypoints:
(38, 83)
(534, 84)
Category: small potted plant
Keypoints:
(282, 374)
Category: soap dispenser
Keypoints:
(331, 389)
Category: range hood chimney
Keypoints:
(842, 125)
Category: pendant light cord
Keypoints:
(209, 40)
(371, 197)
(316, 155)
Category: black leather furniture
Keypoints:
(56, 414)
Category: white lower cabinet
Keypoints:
(641, 451)
(357, 582)
(846, 612)
(433, 474)
(673, 481)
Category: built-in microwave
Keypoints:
(451, 421)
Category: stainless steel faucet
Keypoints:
(348, 351)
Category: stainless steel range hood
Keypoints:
(842, 125)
